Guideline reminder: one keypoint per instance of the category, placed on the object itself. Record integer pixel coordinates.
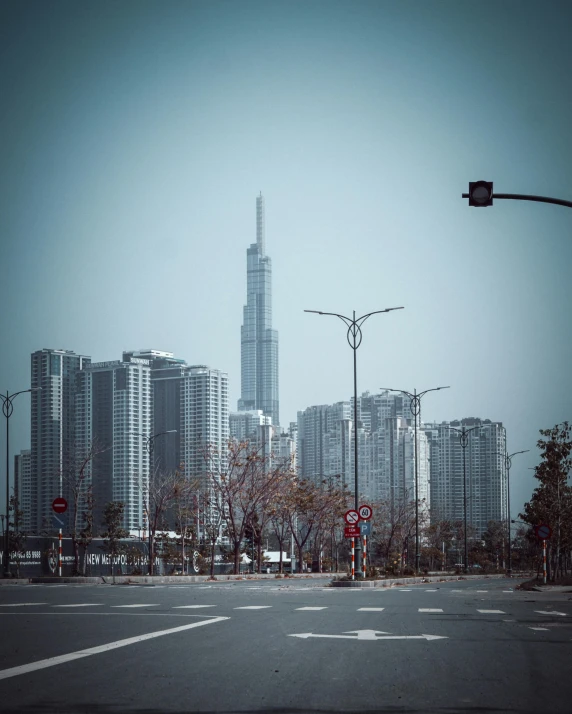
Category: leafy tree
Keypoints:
(113, 530)
(495, 538)
(551, 501)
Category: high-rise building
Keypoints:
(53, 442)
(259, 342)
(23, 488)
(204, 418)
(386, 447)
(114, 418)
(484, 467)
(167, 375)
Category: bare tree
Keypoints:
(239, 477)
(76, 484)
(160, 495)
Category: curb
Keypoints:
(408, 581)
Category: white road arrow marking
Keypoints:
(547, 612)
(369, 635)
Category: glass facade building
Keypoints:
(259, 342)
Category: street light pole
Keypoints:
(508, 465)
(7, 409)
(354, 337)
(416, 410)
(464, 441)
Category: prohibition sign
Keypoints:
(351, 517)
(365, 512)
(543, 531)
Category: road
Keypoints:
(285, 646)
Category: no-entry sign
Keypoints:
(59, 505)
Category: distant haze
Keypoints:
(135, 137)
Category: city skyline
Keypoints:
(127, 199)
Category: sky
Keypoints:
(136, 135)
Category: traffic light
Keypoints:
(481, 193)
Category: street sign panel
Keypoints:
(59, 505)
(543, 531)
(351, 517)
(365, 512)
(59, 521)
(352, 532)
(365, 528)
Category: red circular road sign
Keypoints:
(59, 505)
(365, 512)
(351, 517)
(543, 531)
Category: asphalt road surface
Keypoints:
(284, 646)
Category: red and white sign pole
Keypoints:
(364, 556)
(60, 554)
(544, 561)
(353, 558)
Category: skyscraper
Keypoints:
(53, 449)
(259, 342)
(113, 413)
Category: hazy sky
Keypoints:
(135, 136)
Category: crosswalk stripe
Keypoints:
(430, 609)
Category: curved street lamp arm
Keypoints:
(435, 389)
(363, 318)
(518, 452)
(527, 197)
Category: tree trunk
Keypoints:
(182, 553)
(213, 546)
(236, 568)
(300, 559)
(75, 545)
(259, 553)
(151, 553)
(280, 564)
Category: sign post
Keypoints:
(544, 532)
(59, 505)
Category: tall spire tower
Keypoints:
(258, 341)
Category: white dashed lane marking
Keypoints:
(430, 609)
(82, 604)
(311, 608)
(253, 607)
(492, 612)
(370, 609)
(539, 629)
(430, 591)
(150, 604)
(22, 604)
(189, 607)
